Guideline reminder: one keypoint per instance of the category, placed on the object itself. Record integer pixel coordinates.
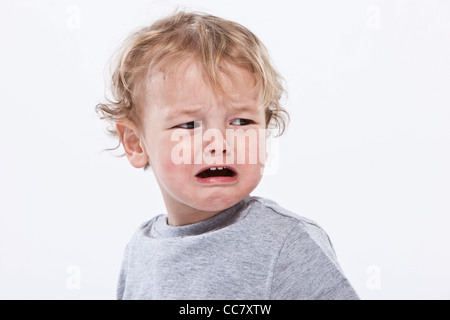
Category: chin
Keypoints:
(218, 202)
(221, 200)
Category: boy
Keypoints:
(194, 97)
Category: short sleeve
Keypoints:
(307, 268)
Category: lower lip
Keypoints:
(217, 180)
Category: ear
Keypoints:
(132, 143)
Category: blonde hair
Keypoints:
(212, 40)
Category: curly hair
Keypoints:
(211, 40)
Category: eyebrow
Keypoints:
(245, 108)
(191, 111)
(188, 111)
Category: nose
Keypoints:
(212, 151)
(216, 143)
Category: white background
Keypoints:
(366, 155)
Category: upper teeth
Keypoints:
(214, 168)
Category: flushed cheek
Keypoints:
(251, 174)
(170, 167)
(250, 162)
(248, 147)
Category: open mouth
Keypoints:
(213, 172)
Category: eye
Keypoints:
(189, 125)
(241, 122)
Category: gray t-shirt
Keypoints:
(252, 250)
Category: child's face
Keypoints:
(181, 114)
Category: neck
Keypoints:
(188, 217)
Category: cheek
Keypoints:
(165, 159)
(250, 149)
(255, 158)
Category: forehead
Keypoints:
(185, 84)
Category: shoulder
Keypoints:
(272, 207)
(145, 230)
(290, 225)
(306, 266)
